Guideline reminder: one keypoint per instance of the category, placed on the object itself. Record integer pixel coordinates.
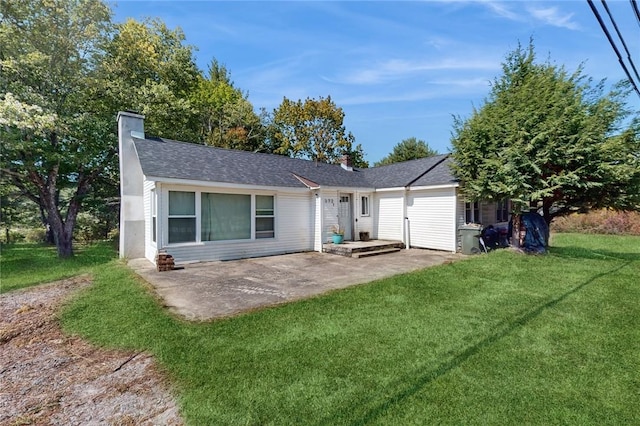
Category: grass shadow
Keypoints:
(574, 252)
(425, 378)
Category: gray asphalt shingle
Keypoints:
(163, 158)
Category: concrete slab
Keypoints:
(208, 290)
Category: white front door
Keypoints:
(344, 216)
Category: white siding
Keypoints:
(149, 245)
(389, 216)
(432, 219)
(293, 230)
(317, 224)
(363, 223)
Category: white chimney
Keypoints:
(132, 226)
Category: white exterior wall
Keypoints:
(132, 221)
(432, 219)
(150, 250)
(389, 215)
(363, 223)
(317, 221)
(294, 228)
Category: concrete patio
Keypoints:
(209, 290)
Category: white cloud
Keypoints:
(395, 69)
(552, 16)
(502, 10)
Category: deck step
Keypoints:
(375, 252)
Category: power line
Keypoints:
(634, 6)
(613, 45)
(615, 26)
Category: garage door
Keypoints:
(432, 219)
(389, 216)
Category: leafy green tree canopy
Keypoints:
(549, 139)
(226, 117)
(149, 69)
(408, 149)
(313, 129)
(53, 147)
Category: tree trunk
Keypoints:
(516, 240)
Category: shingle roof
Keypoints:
(163, 158)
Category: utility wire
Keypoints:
(615, 48)
(634, 6)
(626, 49)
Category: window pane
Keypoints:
(182, 230)
(264, 205)
(365, 206)
(182, 203)
(226, 217)
(264, 227)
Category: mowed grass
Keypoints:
(24, 265)
(493, 339)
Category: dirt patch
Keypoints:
(48, 377)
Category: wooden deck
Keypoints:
(363, 248)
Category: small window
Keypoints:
(472, 212)
(502, 211)
(153, 215)
(364, 205)
(265, 216)
(182, 216)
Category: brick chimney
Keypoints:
(345, 162)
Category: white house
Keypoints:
(200, 203)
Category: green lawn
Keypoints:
(24, 265)
(493, 339)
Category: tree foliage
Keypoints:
(549, 139)
(408, 149)
(226, 117)
(53, 146)
(313, 129)
(149, 69)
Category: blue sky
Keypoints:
(397, 69)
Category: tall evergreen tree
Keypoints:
(549, 139)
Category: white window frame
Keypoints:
(470, 208)
(195, 216)
(502, 210)
(364, 206)
(257, 216)
(154, 217)
(198, 216)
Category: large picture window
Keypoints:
(211, 216)
(225, 217)
(264, 216)
(182, 216)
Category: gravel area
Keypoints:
(49, 378)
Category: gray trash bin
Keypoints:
(469, 234)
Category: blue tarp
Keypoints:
(536, 237)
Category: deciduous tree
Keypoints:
(312, 129)
(408, 149)
(53, 146)
(227, 118)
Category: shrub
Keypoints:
(599, 222)
(36, 235)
